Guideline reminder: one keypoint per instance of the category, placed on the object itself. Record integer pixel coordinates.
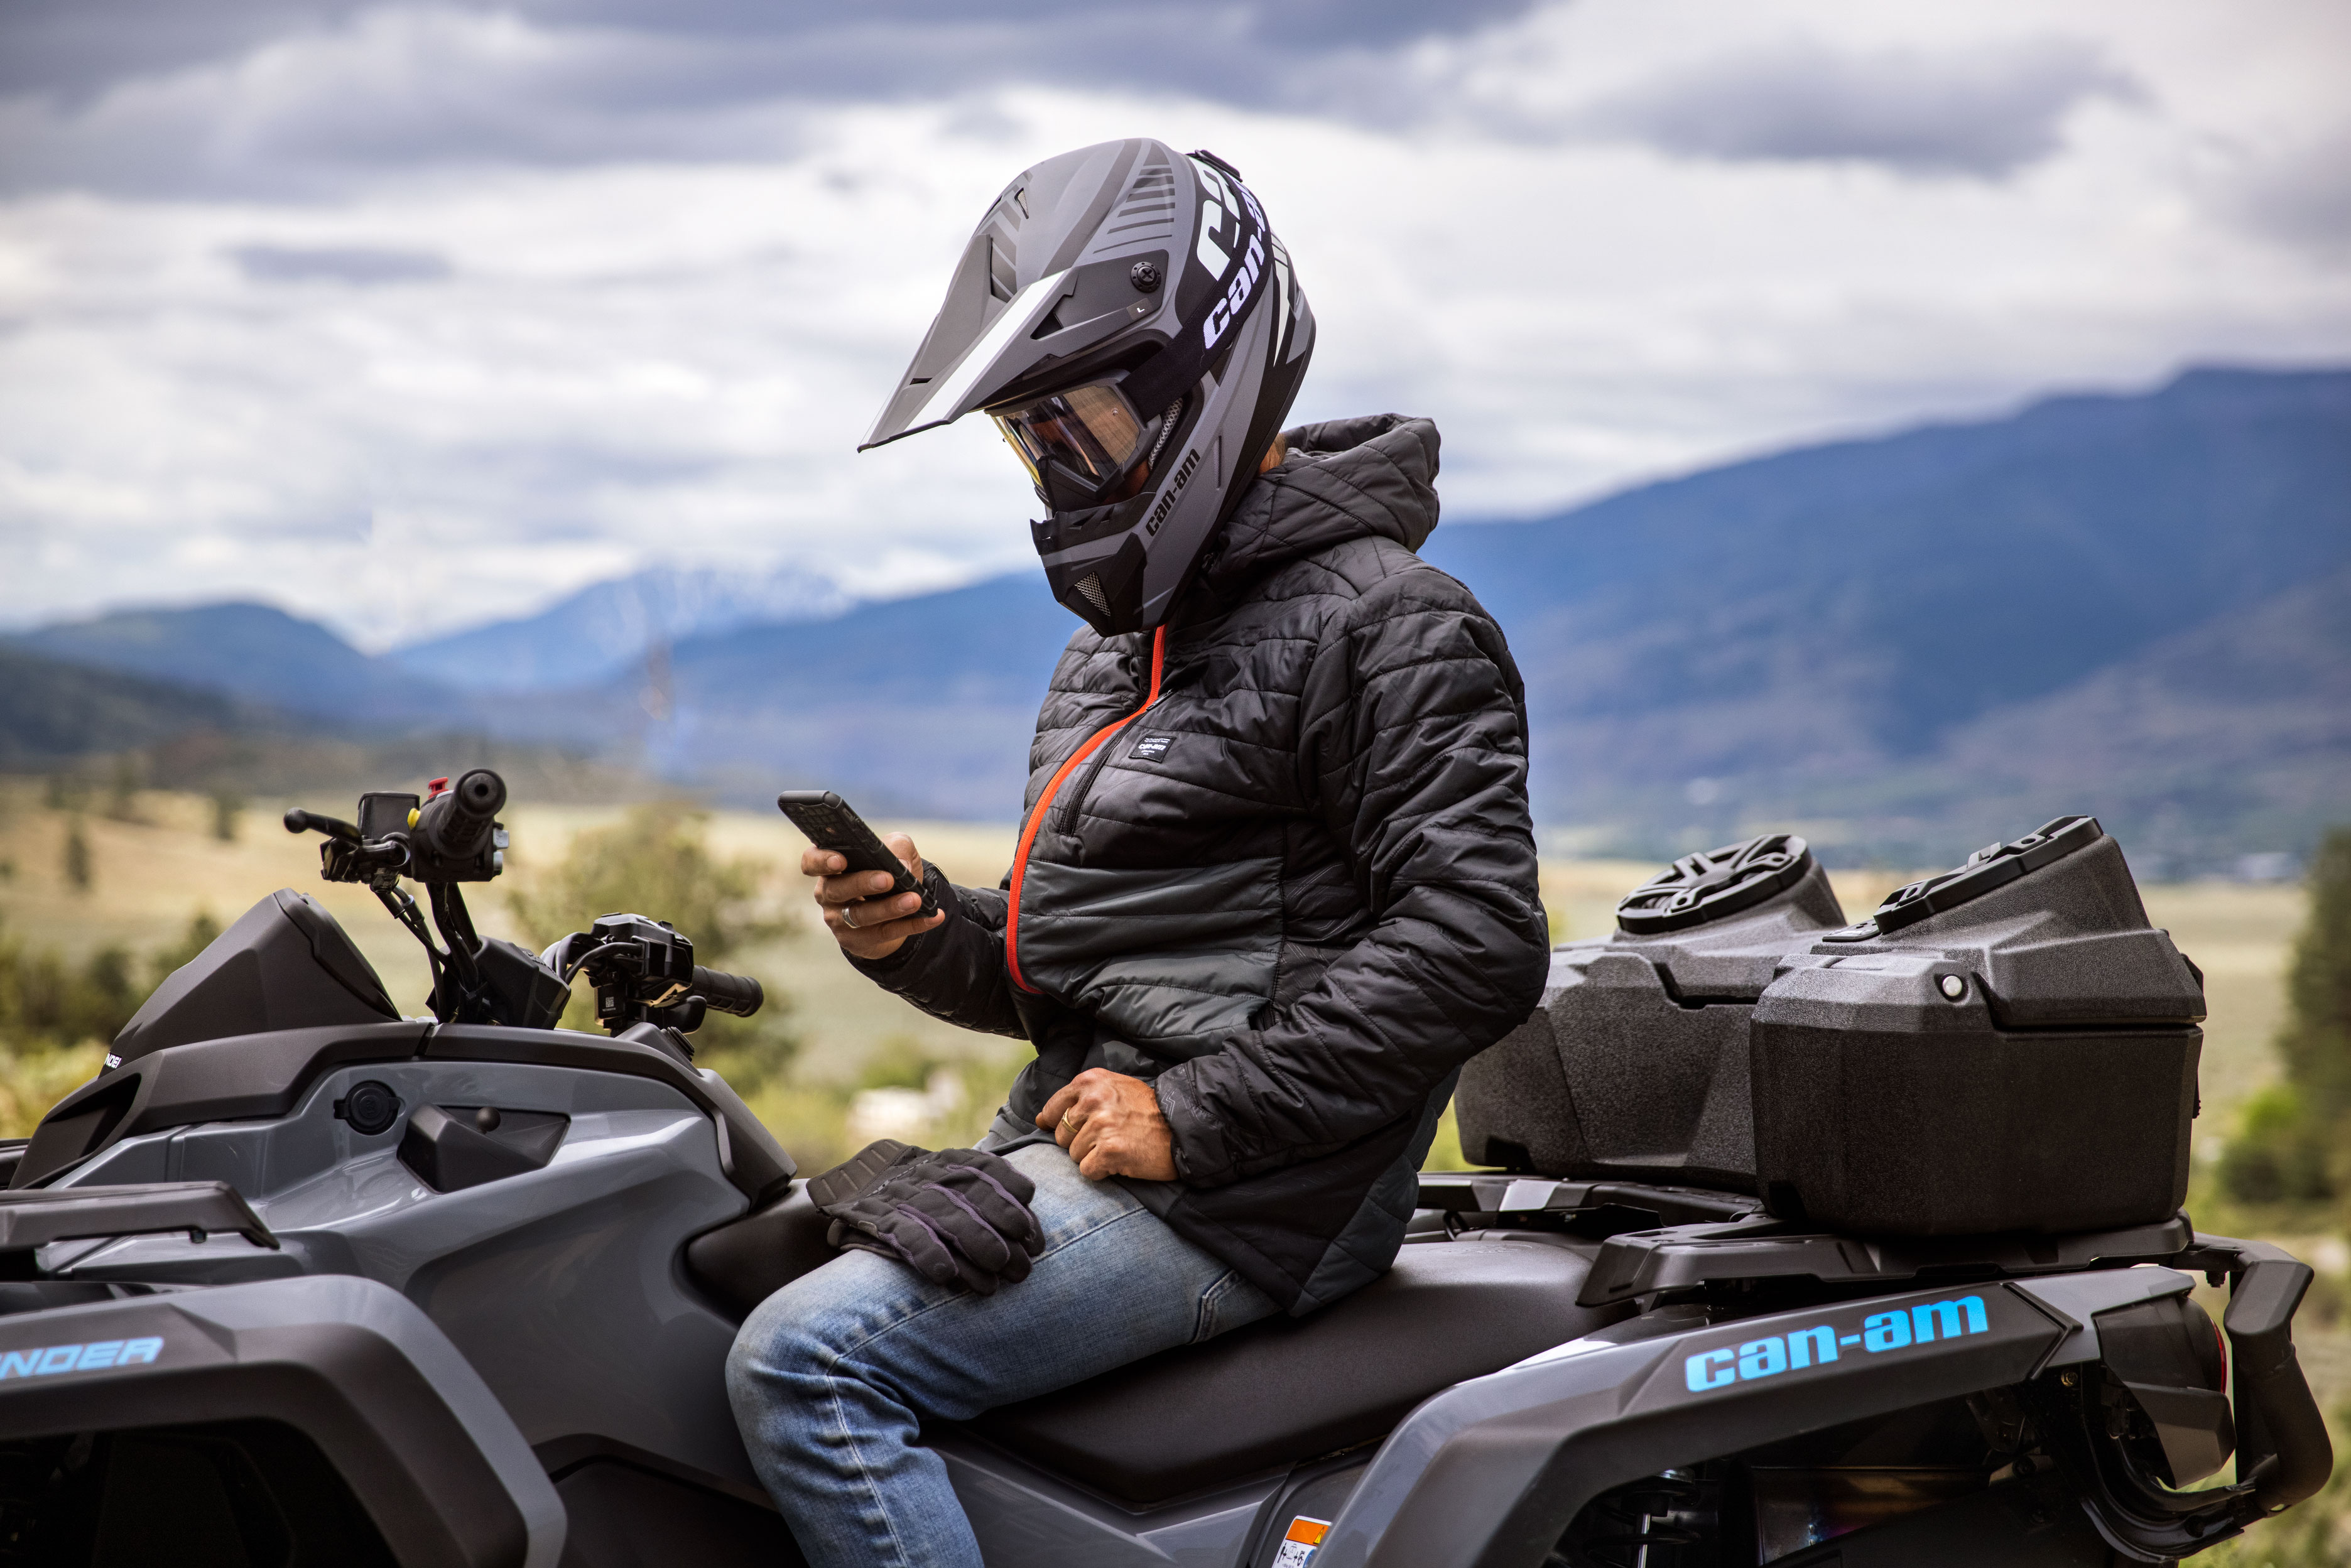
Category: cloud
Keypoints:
(2298, 193)
(293, 102)
(1985, 112)
(410, 315)
(358, 264)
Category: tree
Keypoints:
(656, 863)
(2294, 1144)
(77, 857)
(2316, 1040)
(122, 803)
(202, 930)
(102, 999)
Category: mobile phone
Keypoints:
(831, 823)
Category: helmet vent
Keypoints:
(1090, 589)
(1150, 204)
(1002, 277)
(1166, 429)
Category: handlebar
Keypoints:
(642, 970)
(2284, 1418)
(2283, 1453)
(737, 994)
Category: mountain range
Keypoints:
(52, 711)
(2137, 605)
(256, 653)
(595, 633)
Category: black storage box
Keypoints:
(1635, 1066)
(2009, 1047)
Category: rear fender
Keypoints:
(1489, 1472)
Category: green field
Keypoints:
(150, 873)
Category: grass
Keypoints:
(156, 861)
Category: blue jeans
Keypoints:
(832, 1375)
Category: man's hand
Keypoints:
(1112, 1127)
(864, 925)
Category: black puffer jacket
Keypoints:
(1276, 859)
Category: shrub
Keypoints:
(46, 1002)
(655, 863)
(2274, 1158)
(56, 1019)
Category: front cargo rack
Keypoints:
(32, 1218)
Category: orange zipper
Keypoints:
(1045, 803)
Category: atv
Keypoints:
(1804, 1242)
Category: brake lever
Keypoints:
(299, 820)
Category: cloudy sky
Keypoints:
(408, 315)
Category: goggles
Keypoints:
(1091, 434)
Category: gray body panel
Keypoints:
(534, 1278)
(1021, 1514)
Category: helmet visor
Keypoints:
(1091, 431)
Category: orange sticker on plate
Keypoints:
(1297, 1546)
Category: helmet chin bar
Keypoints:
(1068, 493)
(1101, 586)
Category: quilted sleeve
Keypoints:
(956, 972)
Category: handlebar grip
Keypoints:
(737, 994)
(452, 823)
(479, 796)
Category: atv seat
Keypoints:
(1288, 1389)
(1266, 1394)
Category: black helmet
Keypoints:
(1126, 316)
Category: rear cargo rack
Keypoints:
(1761, 1248)
(1526, 1197)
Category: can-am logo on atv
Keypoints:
(1823, 1344)
(49, 1360)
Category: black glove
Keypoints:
(955, 1216)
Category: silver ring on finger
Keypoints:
(845, 918)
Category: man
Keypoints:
(1275, 881)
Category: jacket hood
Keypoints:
(1346, 479)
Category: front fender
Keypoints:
(407, 1421)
